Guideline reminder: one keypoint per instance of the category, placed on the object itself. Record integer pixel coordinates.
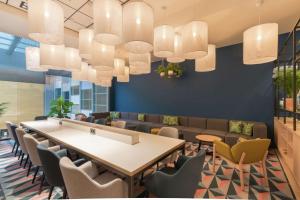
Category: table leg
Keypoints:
(183, 150)
(130, 181)
(199, 147)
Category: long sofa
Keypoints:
(189, 127)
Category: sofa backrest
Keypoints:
(217, 124)
(132, 116)
(124, 115)
(197, 122)
(183, 120)
(152, 118)
(100, 115)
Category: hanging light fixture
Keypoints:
(195, 39)
(177, 57)
(140, 63)
(72, 59)
(138, 20)
(86, 37)
(46, 21)
(208, 62)
(33, 59)
(92, 74)
(119, 67)
(124, 78)
(104, 83)
(164, 41)
(103, 56)
(52, 56)
(260, 44)
(107, 21)
(101, 75)
(81, 75)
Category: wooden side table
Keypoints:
(155, 131)
(206, 138)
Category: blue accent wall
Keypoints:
(12, 68)
(232, 91)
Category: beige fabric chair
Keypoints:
(86, 182)
(119, 124)
(170, 132)
(8, 123)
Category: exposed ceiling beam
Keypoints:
(13, 45)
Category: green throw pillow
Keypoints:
(247, 128)
(235, 126)
(141, 117)
(115, 115)
(165, 119)
(173, 121)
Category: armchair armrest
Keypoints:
(90, 168)
(61, 153)
(223, 149)
(260, 130)
(79, 162)
(116, 188)
(160, 184)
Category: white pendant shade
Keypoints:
(104, 83)
(72, 59)
(134, 70)
(107, 21)
(46, 21)
(52, 56)
(164, 41)
(177, 57)
(119, 67)
(124, 78)
(33, 59)
(86, 37)
(260, 44)
(103, 56)
(92, 74)
(140, 63)
(104, 74)
(208, 62)
(138, 20)
(81, 75)
(195, 39)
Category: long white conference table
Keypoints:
(125, 152)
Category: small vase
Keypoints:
(162, 74)
(170, 72)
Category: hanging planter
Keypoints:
(172, 70)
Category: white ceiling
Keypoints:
(227, 19)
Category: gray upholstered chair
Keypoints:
(119, 124)
(31, 146)
(9, 126)
(90, 119)
(86, 182)
(180, 181)
(101, 121)
(172, 133)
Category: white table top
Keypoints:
(126, 158)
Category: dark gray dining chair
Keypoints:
(101, 121)
(178, 182)
(90, 119)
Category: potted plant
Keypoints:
(161, 70)
(2, 108)
(174, 69)
(279, 81)
(60, 108)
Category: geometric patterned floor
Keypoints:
(225, 184)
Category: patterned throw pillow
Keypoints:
(115, 115)
(235, 126)
(247, 128)
(173, 121)
(165, 119)
(141, 117)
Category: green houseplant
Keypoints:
(60, 108)
(3, 107)
(171, 70)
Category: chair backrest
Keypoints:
(169, 132)
(8, 126)
(186, 179)
(78, 183)
(13, 128)
(50, 164)
(142, 128)
(80, 117)
(119, 124)
(31, 146)
(90, 119)
(255, 150)
(38, 118)
(20, 134)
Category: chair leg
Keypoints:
(264, 169)
(22, 158)
(27, 157)
(29, 168)
(64, 193)
(214, 158)
(16, 150)
(36, 171)
(14, 147)
(142, 179)
(242, 178)
(42, 182)
(20, 154)
(50, 192)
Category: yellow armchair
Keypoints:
(242, 153)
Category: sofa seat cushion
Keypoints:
(197, 122)
(232, 138)
(220, 134)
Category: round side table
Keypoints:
(206, 138)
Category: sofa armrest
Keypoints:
(260, 130)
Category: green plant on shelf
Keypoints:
(3, 107)
(60, 108)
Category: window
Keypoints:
(86, 99)
(75, 90)
(101, 99)
(57, 93)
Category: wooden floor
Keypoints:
(294, 185)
